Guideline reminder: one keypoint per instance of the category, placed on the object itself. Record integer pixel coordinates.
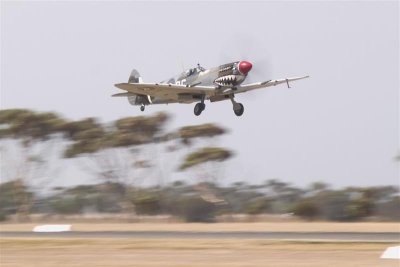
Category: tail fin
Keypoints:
(135, 77)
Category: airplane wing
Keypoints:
(252, 86)
(167, 91)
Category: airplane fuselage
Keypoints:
(221, 77)
(224, 76)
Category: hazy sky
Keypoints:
(341, 126)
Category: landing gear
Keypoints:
(198, 108)
(238, 108)
(142, 108)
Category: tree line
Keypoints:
(122, 154)
(203, 202)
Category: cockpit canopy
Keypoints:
(195, 70)
(190, 72)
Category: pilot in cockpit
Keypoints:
(194, 70)
(191, 72)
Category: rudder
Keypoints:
(135, 77)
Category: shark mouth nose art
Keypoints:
(226, 80)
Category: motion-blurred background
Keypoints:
(325, 150)
(335, 134)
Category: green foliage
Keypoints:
(90, 136)
(306, 209)
(142, 125)
(257, 206)
(361, 206)
(389, 209)
(75, 130)
(319, 186)
(204, 155)
(104, 197)
(183, 200)
(67, 206)
(195, 209)
(82, 190)
(199, 131)
(358, 209)
(3, 216)
(139, 130)
(147, 204)
(29, 125)
(13, 195)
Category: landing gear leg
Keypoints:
(199, 107)
(142, 107)
(238, 108)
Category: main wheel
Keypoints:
(142, 108)
(239, 111)
(198, 108)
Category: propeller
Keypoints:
(246, 47)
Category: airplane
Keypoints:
(196, 85)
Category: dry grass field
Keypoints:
(221, 227)
(78, 252)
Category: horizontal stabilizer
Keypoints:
(122, 94)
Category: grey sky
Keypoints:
(340, 126)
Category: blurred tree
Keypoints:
(147, 203)
(184, 200)
(197, 160)
(13, 195)
(188, 133)
(318, 187)
(282, 195)
(87, 136)
(365, 201)
(359, 208)
(28, 139)
(186, 140)
(389, 210)
(204, 155)
(195, 209)
(332, 204)
(104, 197)
(115, 153)
(306, 209)
(257, 206)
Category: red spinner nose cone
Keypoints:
(245, 67)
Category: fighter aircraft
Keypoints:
(196, 85)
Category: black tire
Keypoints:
(239, 112)
(141, 108)
(198, 108)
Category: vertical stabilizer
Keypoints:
(135, 77)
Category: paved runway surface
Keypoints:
(298, 236)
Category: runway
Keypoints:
(295, 236)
